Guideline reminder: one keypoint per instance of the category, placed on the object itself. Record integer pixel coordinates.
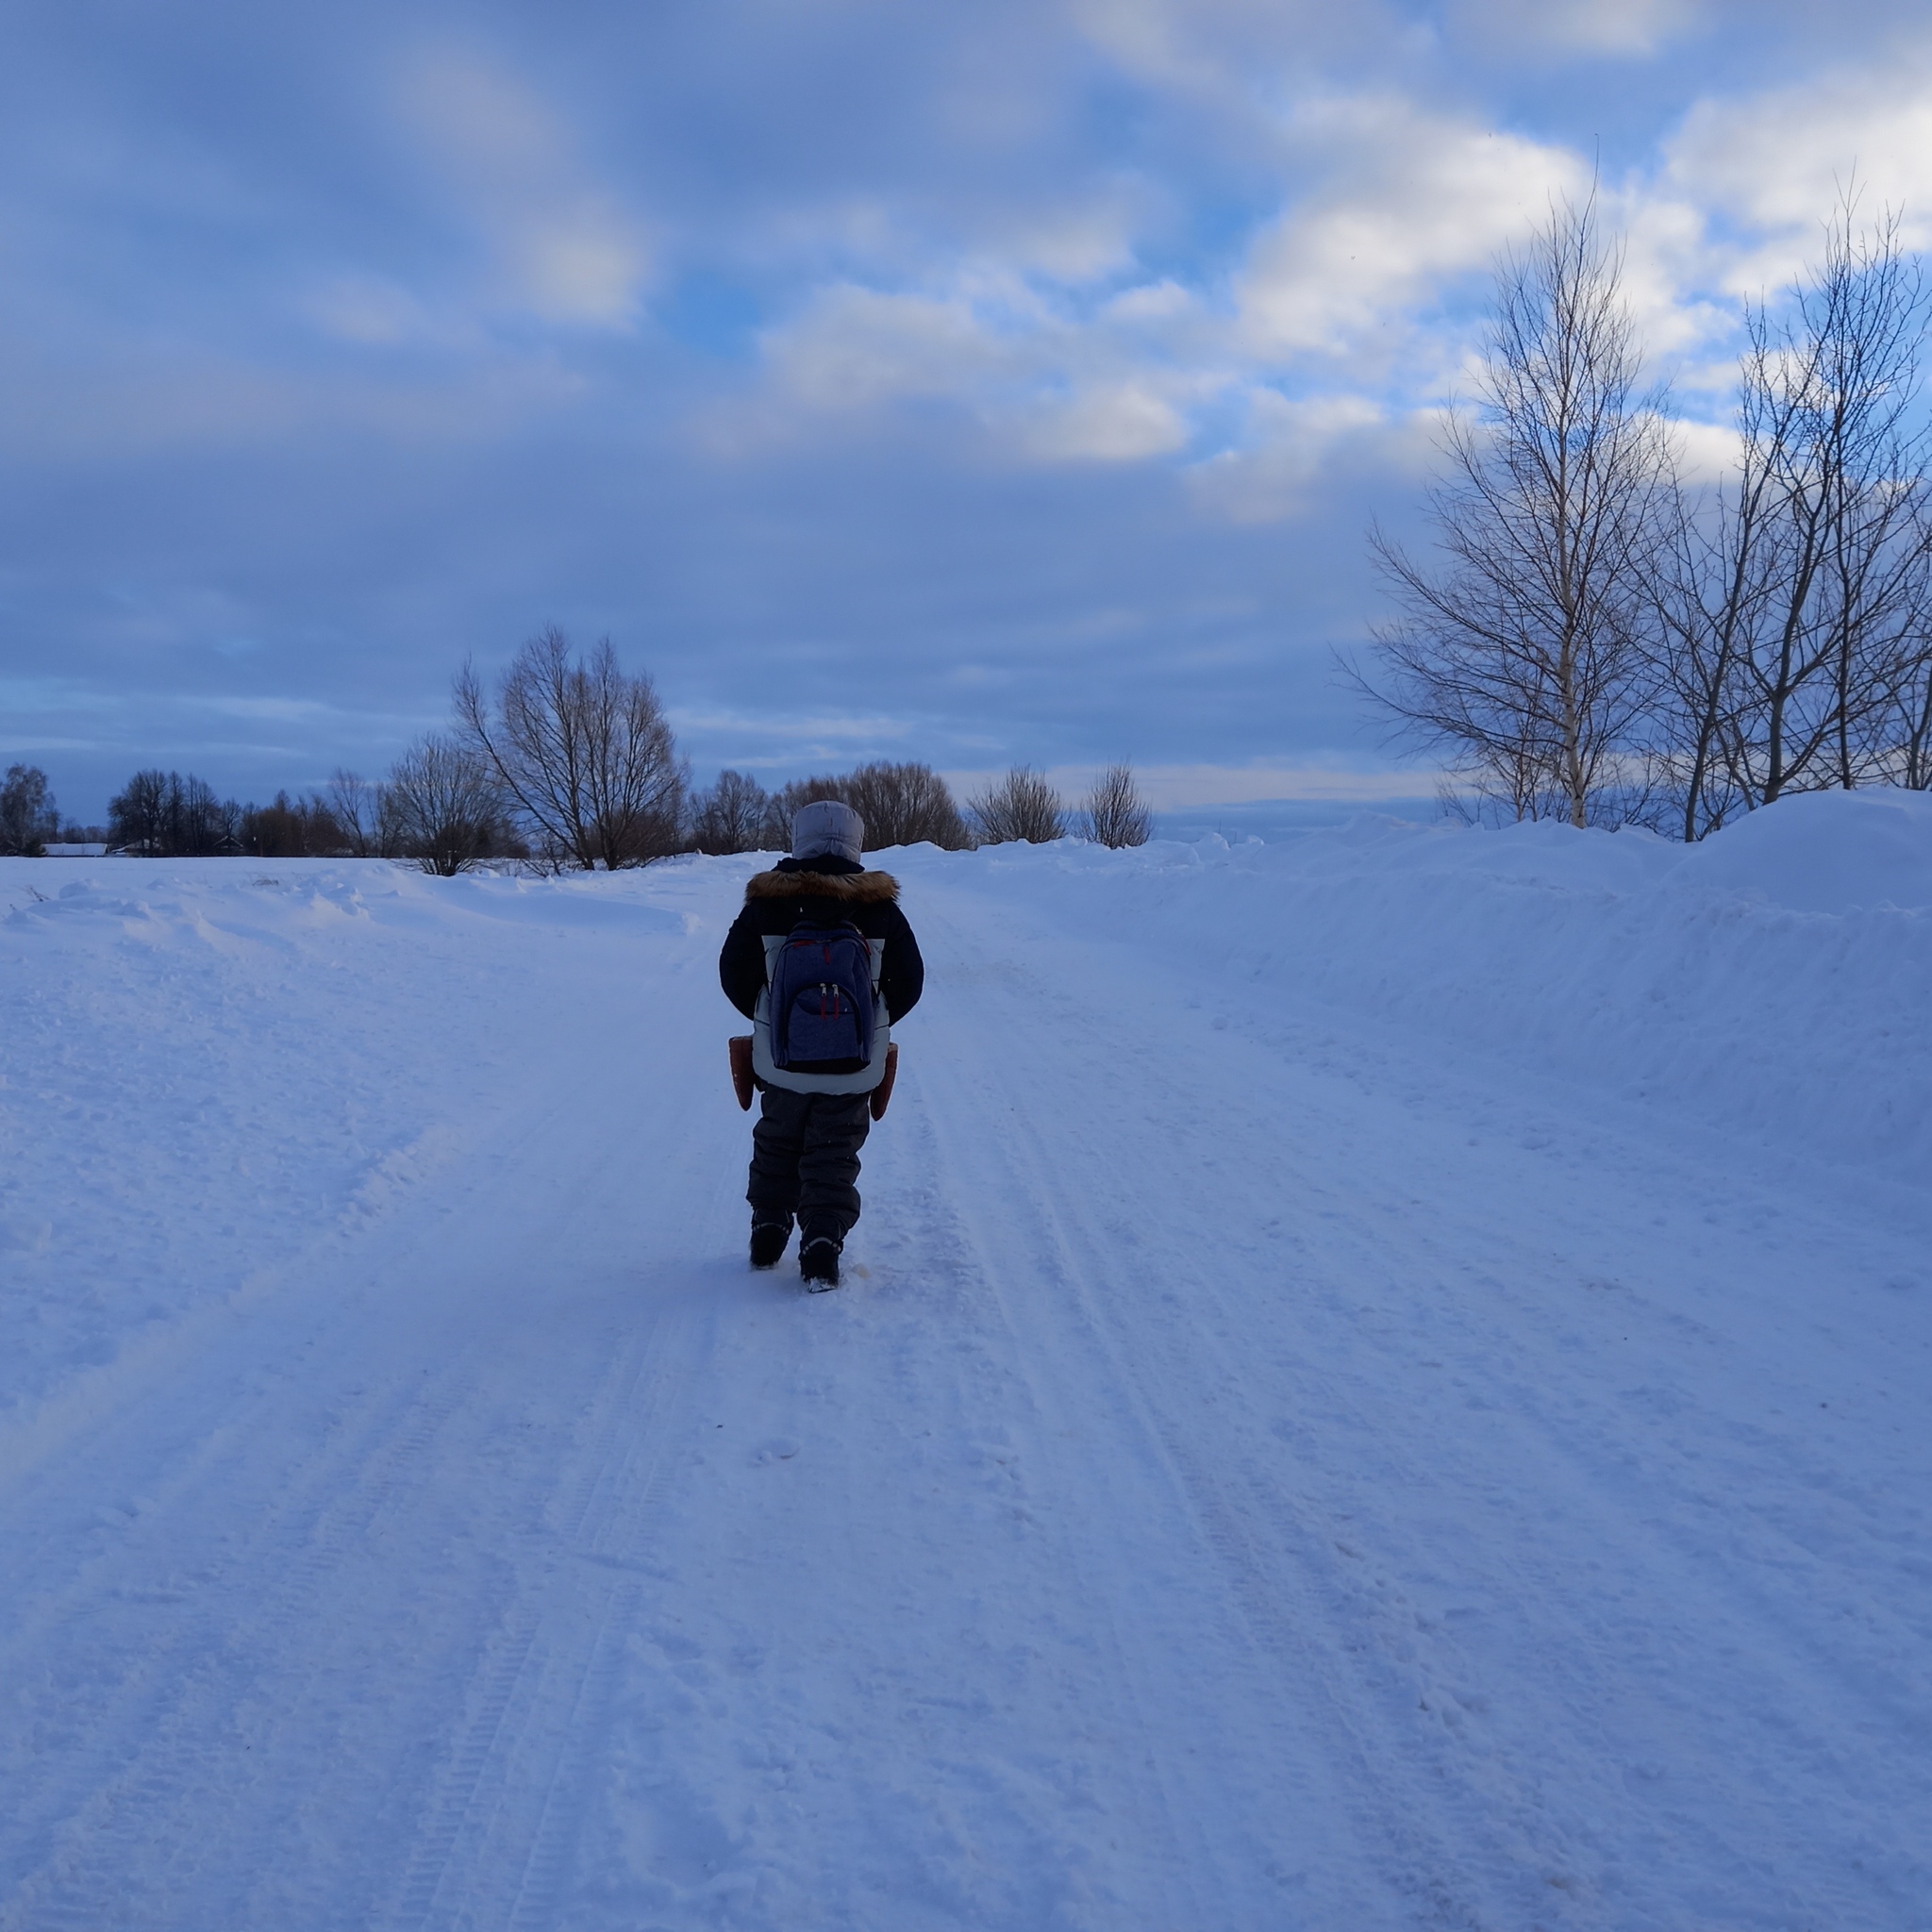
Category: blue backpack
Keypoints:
(822, 1000)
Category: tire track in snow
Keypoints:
(1166, 1833)
(493, 1694)
(467, 1856)
(506, 1804)
(606, 1532)
(985, 1210)
(1050, 1233)
(289, 1566)
(1496, 1752)
(560, 1819)
(173, 1714)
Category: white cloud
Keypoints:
(1154, 40)
(1777, 163)
(853, 346)
(1158, 303)
(1075, 243)
(787, 728)
(1705, 451)
(1110, 421)
(566, 251)
(1668, 254)
(1286, 442)
(1627, 28)
(270, 710)
(1051, 387)
(368, 311)
(1321, 340)
(1413, 198)
(1235, 55)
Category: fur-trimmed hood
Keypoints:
(854, 888)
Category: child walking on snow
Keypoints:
(823, 963)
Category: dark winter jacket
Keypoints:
(824, 890)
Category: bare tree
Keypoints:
(905, 805)
(582, 750)
(1116, 814)
(802, 791)
(136, 815)
(1909, 755)
(733, 816)
(164, 815)
(359, 809)
(1796, 608)
(1021, 806)
(1524, 659)
(901, 805)
(27, 817)
(1856, 478)
(1717, 577)
(293, 828)
(776, 833)
(442, 802)
(785, 802)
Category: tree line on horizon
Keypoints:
(909, 804)
(568, 764)
(1603, 638)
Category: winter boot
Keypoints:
(768, 1239)
(818, 1260)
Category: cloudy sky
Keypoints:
(966, 382)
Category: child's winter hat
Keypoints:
(827, 829)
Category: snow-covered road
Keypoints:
(1271, 1466)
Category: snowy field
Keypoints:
(1384, 1382)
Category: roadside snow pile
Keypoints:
(1773, 982)
(208, 1064)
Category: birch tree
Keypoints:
(1523, 648)
(1795, 612)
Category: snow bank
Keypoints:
(1773, 982)
(208, 1064)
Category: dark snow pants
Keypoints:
(805, 1158)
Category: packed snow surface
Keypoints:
(1383, 1382)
